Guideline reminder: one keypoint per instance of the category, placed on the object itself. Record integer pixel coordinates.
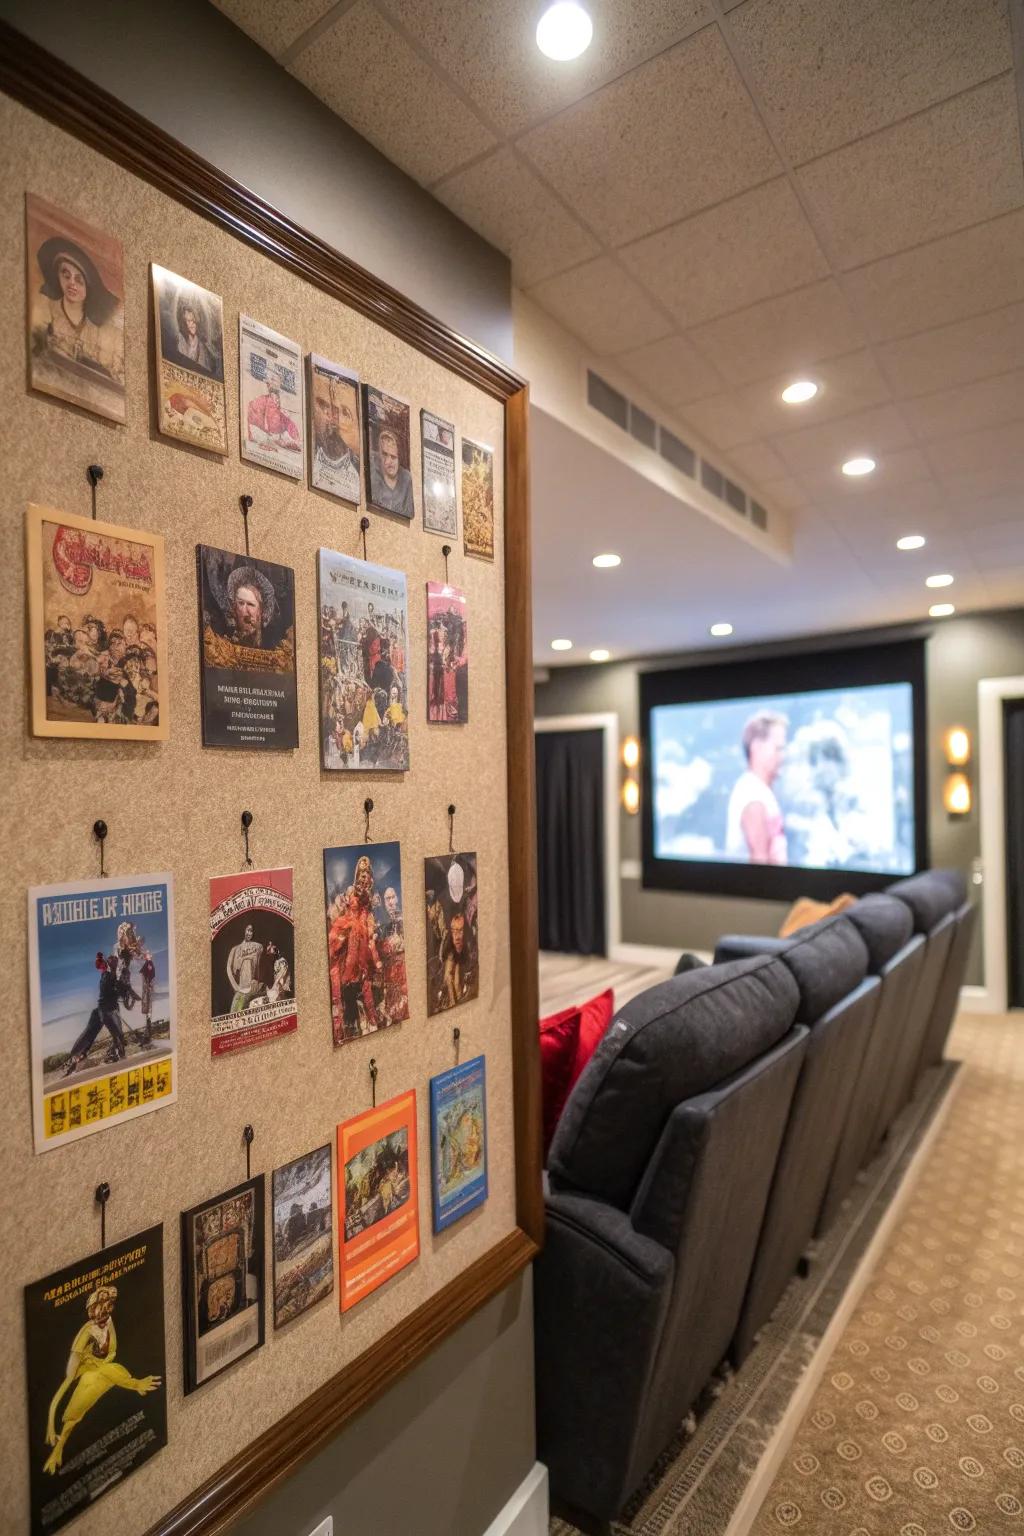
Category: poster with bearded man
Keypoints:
(247, 651)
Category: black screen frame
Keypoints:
(798, 672)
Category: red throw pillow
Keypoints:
(559, 1037)
(595, 1017)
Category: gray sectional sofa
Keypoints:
(718, 1126)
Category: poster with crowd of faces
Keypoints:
(365, 939)
(364, 646)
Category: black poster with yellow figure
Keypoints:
(97, 1403)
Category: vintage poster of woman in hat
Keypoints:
(75, 285)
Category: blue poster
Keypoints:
(458, 1141)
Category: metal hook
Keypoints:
(373, 1080)
(94, 475)
(451, 828)
(364, 523)
(99, 832)
(246, 824)
(446, 550)
(367, 808)
(245, 502)
(248, 1136)
(102, 1196)
(456, 1037)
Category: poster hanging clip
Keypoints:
(246, 824)
(102, 1196)
(456, 1037)
(245, 503)
(451, 828)
(446, 550)
(94, 475)
(367, 808)
(364, 523)
(373, 1080)
(248, 1136)
(99, 832)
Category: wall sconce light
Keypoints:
(630, 752)
(631, 796)
(958, 746)
(956, 796)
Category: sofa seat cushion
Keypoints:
(827, 960)
(885, 925)
(559, 1040)
(595, 1016)
(674, 1041)
(929, 896)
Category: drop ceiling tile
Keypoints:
(502, 199)
(967, 407)
(949, 279)
(492, 50)
(996, 449)
(603, 306)
(826, 445)
(793, 331)
(743, 250)
(829, 72)
(952, 166)
(273, 25)
(786, 493)
(671, 370)
(902, 481)
(846, 385)
(956, 354)
(366, 72)
(673, 136)
(758, 462)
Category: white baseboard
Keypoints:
(526, 1513)
(979, 1000)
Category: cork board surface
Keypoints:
(175, 805)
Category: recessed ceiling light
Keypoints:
(600, 655)
(719, 630)
(911, 541)
(561, 645)
(945, 580)
(607, 562)
(941, 610)
(564, 31)
(799, 391)
(858, 466)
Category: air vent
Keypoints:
(736, 497)
(711, 479)
(758, 515)
(641, 426)
(678, 453)
(607, 400)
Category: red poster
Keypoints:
(252, 959)
(379, 1207)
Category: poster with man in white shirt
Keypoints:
(755, 828)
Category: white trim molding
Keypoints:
(992, 692)
(526, 1513)
(609, 724)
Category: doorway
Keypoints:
(578, 833)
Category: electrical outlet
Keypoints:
(325, 1528)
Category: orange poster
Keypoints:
(379, 1208)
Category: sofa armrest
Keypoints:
(742, 946)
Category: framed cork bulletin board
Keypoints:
(173, 803)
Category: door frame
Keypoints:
(608, 724)
(992, 997)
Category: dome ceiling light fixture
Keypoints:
(799, 392)
(911, 541)
(858, 466)
(564, 31)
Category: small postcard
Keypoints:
(379, 1215)
(458, 1141)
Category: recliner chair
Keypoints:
(948, 996)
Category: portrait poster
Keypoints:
(252, 959)
(223, 1283)
(477, 499)
(440, 512)
(102, 1002)
(247, 651)
(75, 291)
(364, 646)
(188, 329)
(447, 655)
(335, 445)
(97, 1399)
(97, 628)
(452, 897)
(388, 430)
(458, 1141)
(365, 939)
(303, 1235)
(379, 1215)
(270, 399)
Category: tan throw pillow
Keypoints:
(805, 911)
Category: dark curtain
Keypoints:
(1013, 737)
(570, 840)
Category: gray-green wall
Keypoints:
(959, 652)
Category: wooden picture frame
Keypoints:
(46, 85)
(78, 592)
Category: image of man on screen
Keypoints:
(755, 832)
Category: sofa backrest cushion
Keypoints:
(930, 896)
(956, 883)
(668, 1044)
(827, 960)
(885, 924)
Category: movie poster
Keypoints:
(75, 291)
(447, 655)
(335, 448)
(102, 999)
(364, 698)
(97, 1400)
(453, 968)
(365, 939)
(252, 959)
(247, 651)
(270, 398)
(440, 514)
(222, 1280)
(97, 628)
(458, 1141)
(303, 1234)
(379, 1217)
(188, 327)
(388, 452)
(477, 499)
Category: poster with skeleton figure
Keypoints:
(247, 651)
(252, 959)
